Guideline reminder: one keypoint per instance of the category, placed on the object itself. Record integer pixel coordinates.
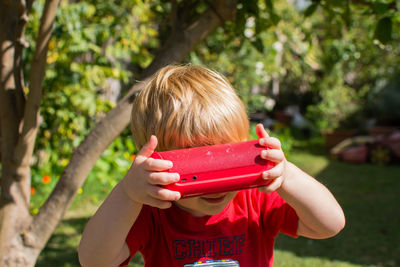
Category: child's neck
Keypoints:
(194, 213)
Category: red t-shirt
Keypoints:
(241, 235)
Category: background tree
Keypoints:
(84, 56)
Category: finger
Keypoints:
(151, 164)
(260, 131)
(163, 194)
(274, 172)
(162, 178)
(149, 147)
(157, 203)
(273, 155)
(272, 186)
(270, 142)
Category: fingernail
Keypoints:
(262, 142)
(177, 177)
(169, 164)
(264, 153)
(265, 175)
(177, 196)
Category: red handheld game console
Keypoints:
(216, 169)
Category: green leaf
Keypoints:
(383, 30)
(269, 4)
(240, 22)
(272, 14)
(258, 44)
(311, 9)
(252, 7)
(274, 18)
(380, 8)
(347, 16)
(338, 3)
(262, 25)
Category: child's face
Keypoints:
(206, 205)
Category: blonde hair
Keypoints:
(188, 106)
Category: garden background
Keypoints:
(304, 69)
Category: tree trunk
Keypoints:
(24, 244)
(14, 202)
(20, 122)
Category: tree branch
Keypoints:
(20, 44)
(24, 149)
(391, 5)
(86, 155)
(174, 15)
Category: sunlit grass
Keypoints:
(290, 259)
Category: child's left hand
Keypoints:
(275, 154)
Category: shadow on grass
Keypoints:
(61, 248)
(369, 196)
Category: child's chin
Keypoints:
(214, 209)
(215, 212)
(214, 200)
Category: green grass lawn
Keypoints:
(369, 195)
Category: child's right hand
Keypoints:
(143, 181)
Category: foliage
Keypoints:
(339, 106)
(109, 169)
(350, 60)
(316, 66)
(383, 101)
(244, 51)
(92, 44)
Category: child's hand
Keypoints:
(143, 181)
(274, 154)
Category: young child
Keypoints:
(189, 106)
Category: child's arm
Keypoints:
(320, 215)
(103, 240)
